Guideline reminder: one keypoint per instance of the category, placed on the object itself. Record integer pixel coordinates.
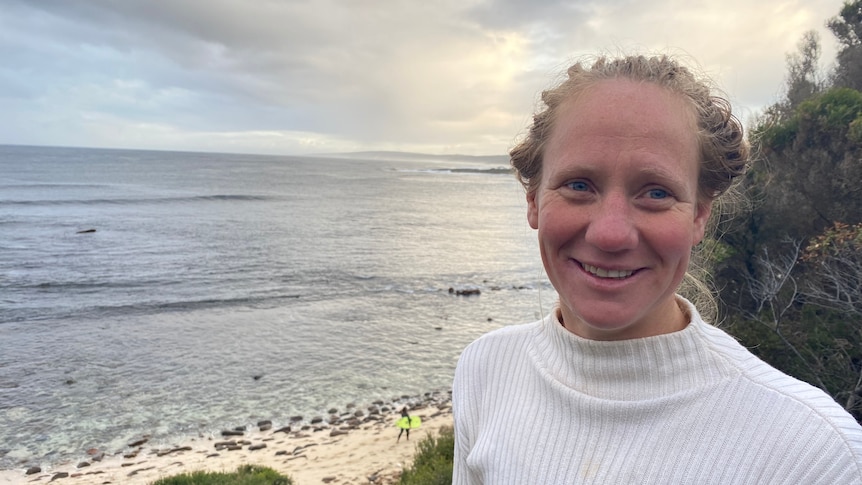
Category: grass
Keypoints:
(432, 464)
(244, 475)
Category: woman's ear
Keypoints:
(532, 209)
(702, 212)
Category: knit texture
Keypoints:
(536, 404)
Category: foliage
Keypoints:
(244, 475)
(834, 260)
(847, 28)
(840, 240)
(793, 280)
(433, 462)
(803, 76)
(822, 120)
(826, 343)
(806, 314)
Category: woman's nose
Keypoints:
(611, 226)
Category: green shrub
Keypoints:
(244, 475)
(432, 463)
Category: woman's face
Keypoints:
(616, 209)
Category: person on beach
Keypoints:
(404, 427)
(624, 381)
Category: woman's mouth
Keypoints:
(607, 273)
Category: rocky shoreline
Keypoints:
(304, 448)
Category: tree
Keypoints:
(813, 170)
(847, 28)
(803, 74)
(799, 307)
(834, 259)
(810, 305)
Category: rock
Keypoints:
(233, 448)
(33, 470)
(257, 447)
(316, 419)
(239, 428)
(59, 475)
(280, 452)
(283, 429)
(173, 450)
(328, 479)
(135, 444)
(295, 419)
(82, 464)
(135, 472)
(359, 413)
(337, 432)
(332, 411)
(232, 432)
(222, 444)
(265, 427)
(98, 457)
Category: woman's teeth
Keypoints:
(607, 273)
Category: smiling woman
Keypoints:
(616, 209)
(624, 381)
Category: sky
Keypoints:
(323, 76)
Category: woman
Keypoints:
(624, 382)
(404, 424)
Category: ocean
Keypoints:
(177, 294)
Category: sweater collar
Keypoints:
(630, 370)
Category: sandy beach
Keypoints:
(359, 447)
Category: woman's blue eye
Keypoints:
(658, 194)
(578, 186)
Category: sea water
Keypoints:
(176, 294)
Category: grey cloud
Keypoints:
(440, 72)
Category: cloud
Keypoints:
(320, 75)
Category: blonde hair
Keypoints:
(724, 152)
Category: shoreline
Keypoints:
(356, 446)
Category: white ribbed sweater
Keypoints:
(535, 404)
